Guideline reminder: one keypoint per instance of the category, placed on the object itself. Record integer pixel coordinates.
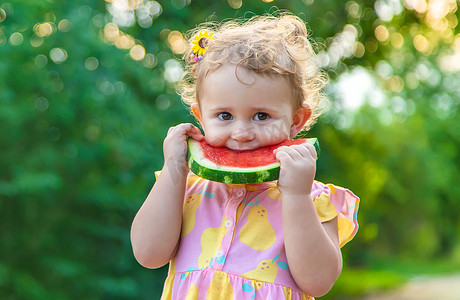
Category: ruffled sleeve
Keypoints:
(192, 179)
(334, 201)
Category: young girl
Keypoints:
(249, 84)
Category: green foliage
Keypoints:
(386, 274)
(79, 148)
(353, 283)
(82, 125)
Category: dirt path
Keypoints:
(425, 288)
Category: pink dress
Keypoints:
(232, 244)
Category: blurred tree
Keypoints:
(82, 126)
(412, 49)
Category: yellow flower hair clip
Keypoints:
(200, 44)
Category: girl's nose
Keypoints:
(243, 134)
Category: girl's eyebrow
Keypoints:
(220, 108)
(264, 108)
(256, 108)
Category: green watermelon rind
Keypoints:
(206, 169)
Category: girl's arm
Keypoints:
(312, 247)
(155, 230)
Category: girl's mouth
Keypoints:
(243, 147)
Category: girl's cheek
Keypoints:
(274, 132)
(215, 140)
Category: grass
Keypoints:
(353, 283)
(384, 275)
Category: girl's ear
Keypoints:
(300, 118)
(196, 111)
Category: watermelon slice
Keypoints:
(236, 167)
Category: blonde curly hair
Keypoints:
(268, 44)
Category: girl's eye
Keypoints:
(261, 116)
(225, 116)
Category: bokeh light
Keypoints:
(41, 104)
(394, 84)
(173, 71)
(146, 12)
(58, 55)
(149, 61)
(44, 29)
(163, 102)
(156, 85)
(179, 4)
(137, 52)
(91, 63)
(2, 15)
(353, 9)
(235, 4)
(452, 20)
(371, 45)
(397, 40)
(386, 10)
(124, 41)
(177, 43)
(449, 61)
(383, 69)
(36, 41)
(438, 14)
(411, 80)
(419, 6)
(342, 45)
(2, 38)
(420, 43)
(92, 132)
(41, 61)
(16, 39)
(111, 31)
(126, 12)
(112, 34)
(106, 87)
(65, 25)
(381, 33)
(359, 50)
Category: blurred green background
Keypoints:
(87, 93)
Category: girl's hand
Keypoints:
(298, 168)
(175, 143)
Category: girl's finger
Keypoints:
(312, 150)
(282, 148)
(294, 151)
(295, 154)
(283, 157)
(291, 153)
(171, 129)
(303, 151)
(196, 135)
(194, 132)
(306, 150)
(183, 129)
(186, 129)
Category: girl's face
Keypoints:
(255, 111)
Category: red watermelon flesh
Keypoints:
(247, 158)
